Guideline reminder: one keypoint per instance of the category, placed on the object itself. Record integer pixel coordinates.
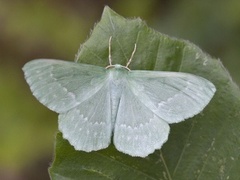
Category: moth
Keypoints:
(132, 107)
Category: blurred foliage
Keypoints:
(214, 26)
(54, 29)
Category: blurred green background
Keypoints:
(54, 29)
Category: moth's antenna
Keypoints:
(109, 53)
(134, 50)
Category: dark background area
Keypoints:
(54, 29)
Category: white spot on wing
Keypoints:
(65, 89)
(123, 126)
(72, 95)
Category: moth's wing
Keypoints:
(88, 126)
(138, 131)
(173, 96)
(80, 93)
(62, 85)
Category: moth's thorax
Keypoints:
(117, 73)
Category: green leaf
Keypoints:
(206, 146)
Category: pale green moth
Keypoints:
(134, 106)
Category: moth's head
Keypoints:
(117, 67)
